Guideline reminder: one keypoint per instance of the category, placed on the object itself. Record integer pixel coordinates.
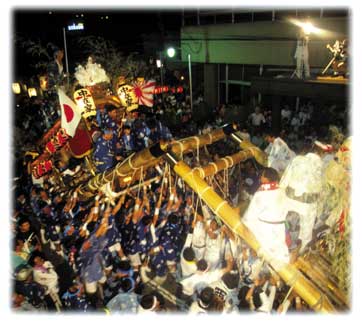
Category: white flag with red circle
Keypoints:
(70, 113)
(144, 92)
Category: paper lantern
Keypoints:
(16, 88)
(85, 102)
(43, 81)
(128, 97)
(32, 92)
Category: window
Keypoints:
(242, 17)
(226, 18)
(263, 16)
(207, 20)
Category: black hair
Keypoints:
(147, 301)
(201, 265)
(270, 132)
(146, 220)
(231, 280)
(34, 254)
(173, 219)
(271, 174)
(256, 297)
(124, 265)
(110, 108)
(188, 254)
(207, 295)
(126, 284)
(22, 220)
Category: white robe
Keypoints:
(265, 217)
(304, 176)
(279, 155)
(198, 240)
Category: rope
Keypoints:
(181, 149)
(213, 164)
(318, 305)
(123, 162)
(130, 164)
(219, 206)
(141, 180)
(286, 297)
(197, 149)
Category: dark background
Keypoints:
(128, 29)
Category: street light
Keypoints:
(171, 53)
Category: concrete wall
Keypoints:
(268, 42)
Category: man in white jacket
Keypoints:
(265, 217)
(45, 275)
(279, 154)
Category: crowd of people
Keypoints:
(156, 246)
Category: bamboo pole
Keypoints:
(223, 163)
(291, 275)
(311, 270)
(260, 156)
(149, 157)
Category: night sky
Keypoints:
(126, 28)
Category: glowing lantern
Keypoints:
(16, 88)
(32, 92)
(85, 102)
(43, 80)
(128, 97)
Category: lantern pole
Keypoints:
(66, 57)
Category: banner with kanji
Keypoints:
(85, 102)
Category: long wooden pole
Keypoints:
(291, 275)
(149, 157)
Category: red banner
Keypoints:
(165, 89)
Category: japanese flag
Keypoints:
(70, 113)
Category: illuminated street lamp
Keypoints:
(171, 53)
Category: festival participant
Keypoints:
(250, 265)
(45, 275)
(141, 132)
(55, 70)
(104, 153)
(204, 301)
(199, 237)
(257, 119)
(203, 277)
(262, 294)
(265, 216)
(74, 299)
(158, 131)
(188, 258)
(128, 141)
(213, 245)
(149, 303)
(302, 181)
(226, 289)
(126, 301)
(279, 154)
